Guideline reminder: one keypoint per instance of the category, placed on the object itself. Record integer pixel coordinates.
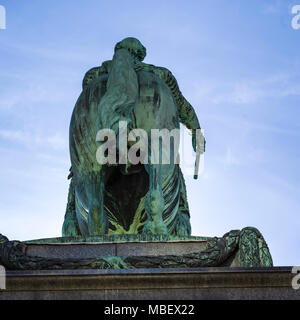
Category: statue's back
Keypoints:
(124, 196)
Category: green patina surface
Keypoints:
(126, 198)
(117, 238)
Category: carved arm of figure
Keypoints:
(187, 114)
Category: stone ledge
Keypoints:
(175, 284)
(237, 248)
(94, 250)
(113, 238)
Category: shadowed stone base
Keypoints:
(245, 248)
(90, 250)
(156, 284)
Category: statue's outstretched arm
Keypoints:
(187, 114)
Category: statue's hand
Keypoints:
(198, 141)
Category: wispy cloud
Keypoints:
(276, 6)
(33, 140)
(33, 93)
(75, 54)
(271, 8)
(247, 91)
(240, 93)
(230, 159)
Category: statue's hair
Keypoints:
(134, 46)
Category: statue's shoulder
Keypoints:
(162, 72)
(95, 72)
(165, 73)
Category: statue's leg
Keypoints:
(70, 226)
(97, 220)
(154, 203)
(182, 224)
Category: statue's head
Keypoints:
(134, 46)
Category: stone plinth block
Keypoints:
(156, 284)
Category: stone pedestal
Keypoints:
(113, 267)
(134, 246)
(158, 284)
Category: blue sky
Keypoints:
(236, 61)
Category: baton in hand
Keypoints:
(197, 162)
(198, 153)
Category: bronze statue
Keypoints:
(126, 198)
